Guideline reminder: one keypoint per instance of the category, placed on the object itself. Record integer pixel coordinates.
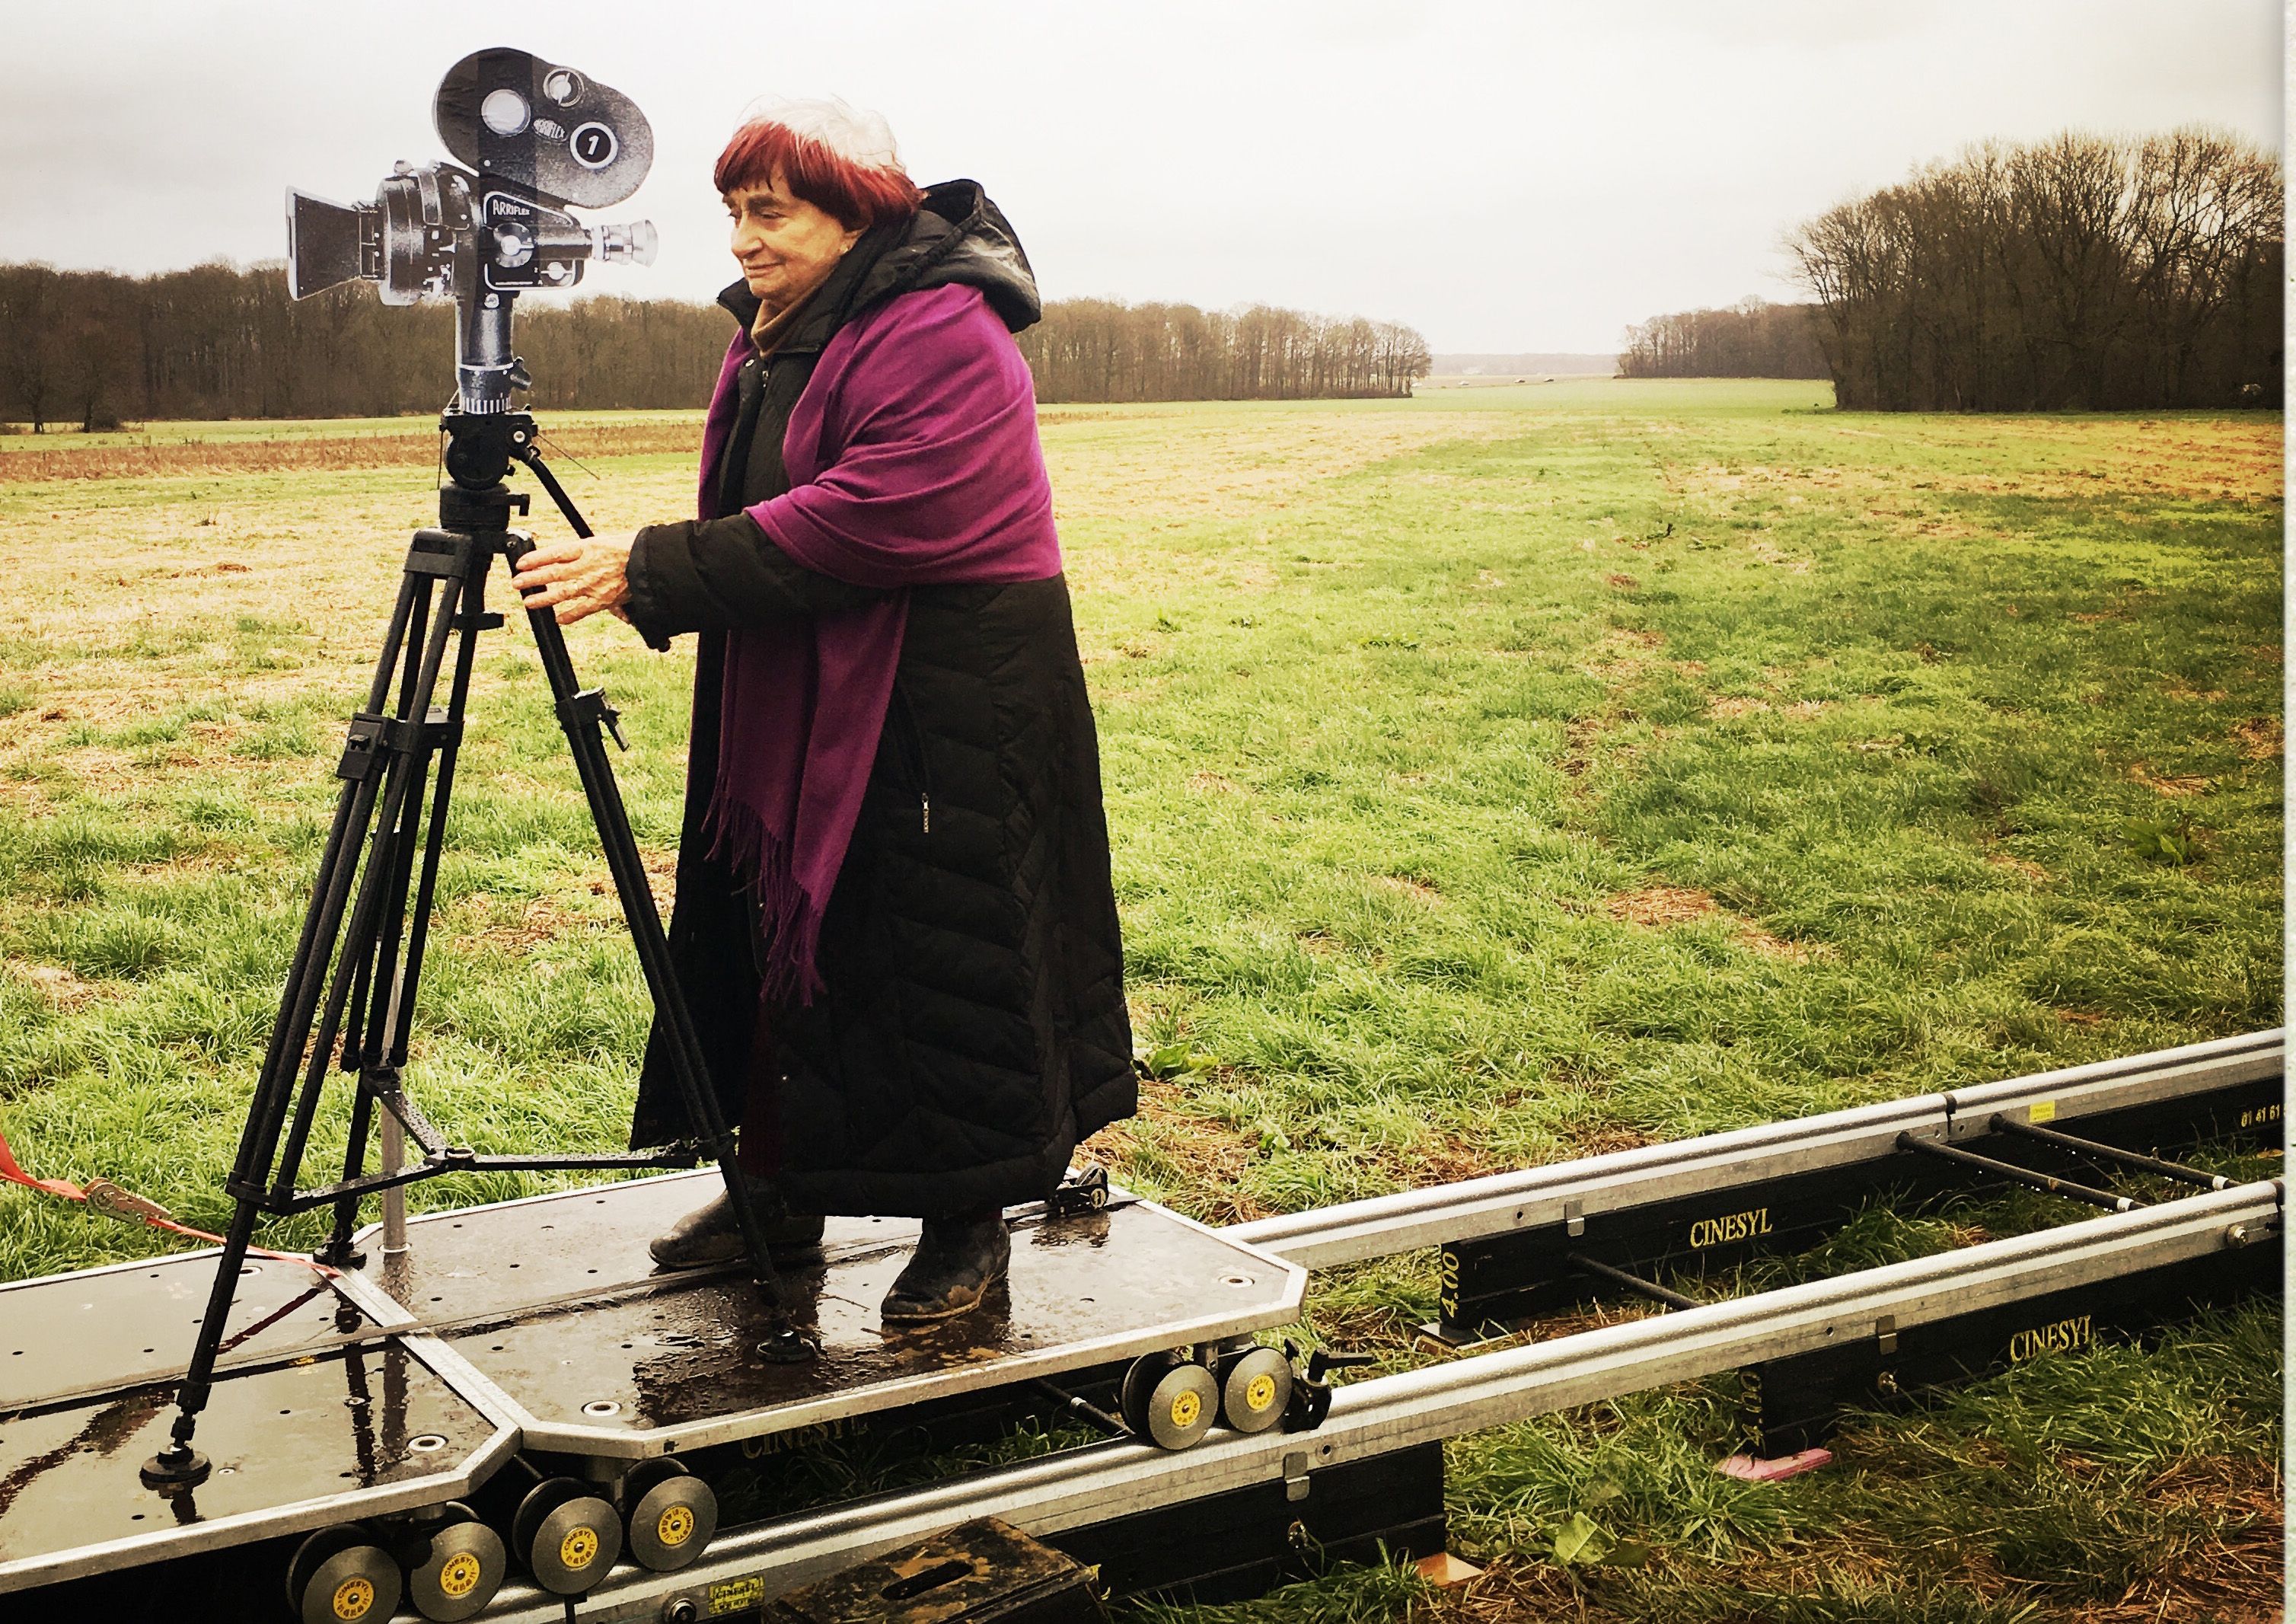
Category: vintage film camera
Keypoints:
(532, 139)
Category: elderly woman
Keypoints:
(894, 921)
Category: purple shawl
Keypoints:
(913, 461)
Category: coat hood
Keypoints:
(960, 237)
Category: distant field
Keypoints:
(245, 445)
(149, 450)
(238, 429)
(1495, 776)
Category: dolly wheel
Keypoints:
(342, 1575)
(566, 1535)
(1177, 1409)
(1254, 1387)
(454, 1567)
(671, 1514)
(1140, 1379)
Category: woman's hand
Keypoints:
(577, 579)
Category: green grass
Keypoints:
(1493, 777)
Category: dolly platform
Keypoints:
(540, 1330)
(594, 1351)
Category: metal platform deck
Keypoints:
(538, 1325)
(373, 1425)
(554, 1302)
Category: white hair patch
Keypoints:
(855, 133)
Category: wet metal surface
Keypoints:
(487, 1262)
(111, 1328)
(556, 1301)
(296, 1435)
(675, 1362)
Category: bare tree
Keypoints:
(1100, 349)
(1752, 339)
(29, 302)
(2078, 272)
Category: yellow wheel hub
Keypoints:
(354, 1598)
(460, 1575)
(579, 1548)
(676, 1527)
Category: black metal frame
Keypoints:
(1796, 1403)
(1230, 1547)
(1497, 1285)
(359, 958)
(1494, 1285)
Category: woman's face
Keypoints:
(785, 245)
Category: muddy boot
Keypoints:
(957, 1260)
(709, 1235)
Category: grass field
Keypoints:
(1494, 778)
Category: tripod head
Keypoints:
(533, 139)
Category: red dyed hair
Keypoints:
(859, 194)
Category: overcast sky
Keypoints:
(1509, 176)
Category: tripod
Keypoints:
(361, 999)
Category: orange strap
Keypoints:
(109, 1199)
(15, 1175)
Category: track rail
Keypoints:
(1506, 1203)
(1388, 1414)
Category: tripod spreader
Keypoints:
(350, 998)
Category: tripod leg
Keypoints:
(369, 1009)
(382, 1007)
(384, 980)
(404, 735)
(367, 750)
(585, 718)
(337, 1252)
(470, 619)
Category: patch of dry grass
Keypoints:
(2260, 737)
(1656, 906)
(2176, 785)
(305, 453)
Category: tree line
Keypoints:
(1102, 349)
(93, 349)
(1752, 339)
(2078, 273)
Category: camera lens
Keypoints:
(504, 112)
(594, 146)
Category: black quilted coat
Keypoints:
(973, 1026)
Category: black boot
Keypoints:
(709, 1235)
(957, 1260)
